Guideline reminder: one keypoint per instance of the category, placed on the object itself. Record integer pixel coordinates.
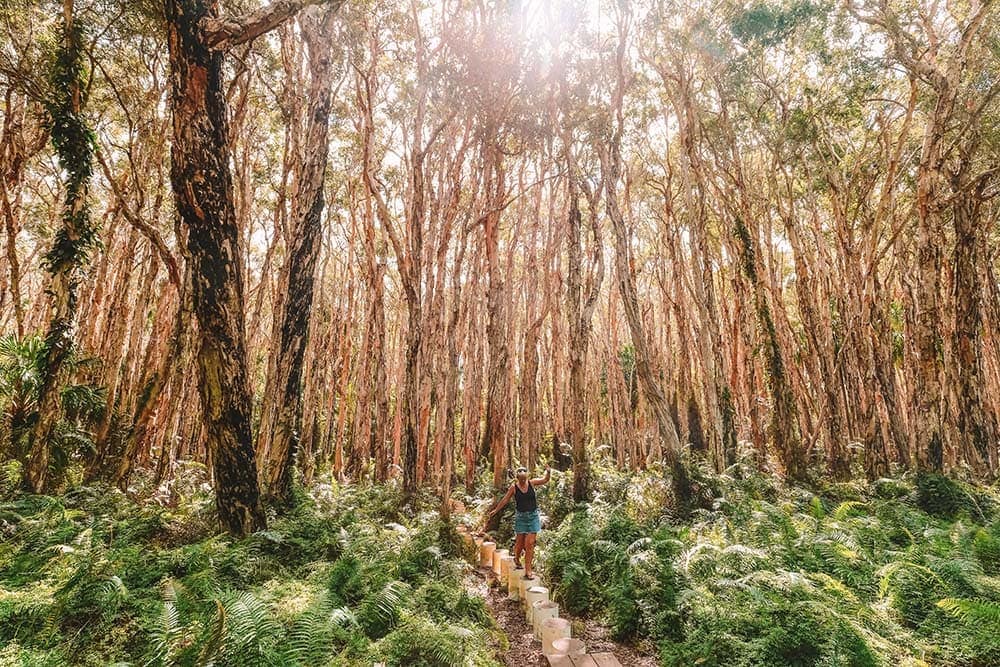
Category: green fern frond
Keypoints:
(379, 611)
(847, 509)
(343, 617)
(214, 638)
(887, 572)
(252, 628)
(639, 545)
(973, 611)
(986, 548)
(165, 635)
(314, 636)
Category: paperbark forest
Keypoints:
(426, 242)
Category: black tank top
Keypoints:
(525, 501)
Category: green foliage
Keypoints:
(74, 143)
(604, 565)
(986, 547)
(976, 611)
(848, 574)
(90, 578)
(946, 498)
(420, 643)
(770, 24)
(22, 363)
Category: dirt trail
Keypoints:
(524, 649)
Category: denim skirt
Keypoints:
(527, 522)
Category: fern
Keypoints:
(986, 547)
(423, 644)
(251, 627)
(379, 611)
(165, 634)
(214, 637)
(316, 634)
(973, 611)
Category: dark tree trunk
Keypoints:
(577, 352)
(497, 395)
(783, 424)
(977, 423)
(580, 304)
(928, 399)
(280, 431)
(203, 190)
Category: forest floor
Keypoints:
(524, 650)
(902, 571)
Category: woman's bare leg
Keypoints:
(529, 553)
(518, 549)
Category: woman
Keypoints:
(527, 521)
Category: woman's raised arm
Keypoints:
(538, 481)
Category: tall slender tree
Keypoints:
(203, 189)
(75, 238)
(611, 164)
(281, 422)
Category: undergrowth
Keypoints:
(895, 572)
(91, 578)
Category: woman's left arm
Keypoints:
(542, 480)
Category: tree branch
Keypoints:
(147, 230)
(223, 33)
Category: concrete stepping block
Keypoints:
(568, 646)
(486, 554)
(514, 581)
(524, 584)
(542, 611)
(553, 629)
(605, 660)
(497, 556)
(534, 594)
(506, 566)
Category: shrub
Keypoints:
(88, 578)
(854, 575)
(946, 498)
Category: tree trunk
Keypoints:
(580, 306)
(495, 433)
(928, 405)
(667, 431)
(73, 240)
(783, 425)
(203, 190)
(977, 423)
(280, 433)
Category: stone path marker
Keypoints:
(486, 554)
(558, 646)
(535, 594)
(588, 660)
